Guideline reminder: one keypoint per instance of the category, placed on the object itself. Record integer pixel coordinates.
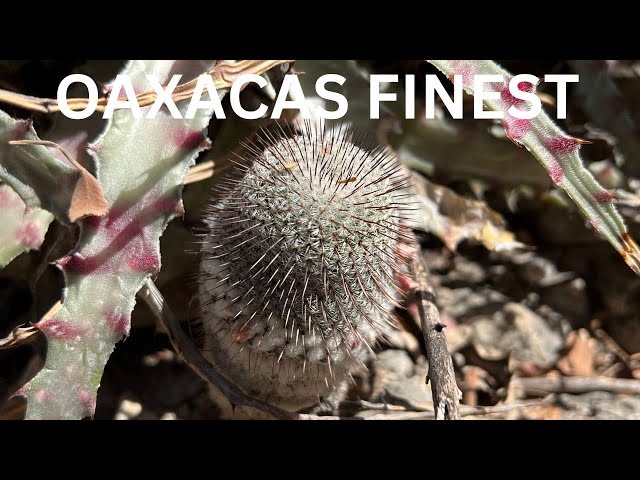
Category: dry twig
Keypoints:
(416, 412)
(446, 395)
(199, 172)
(18, 336)
(223, 73)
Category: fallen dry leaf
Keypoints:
(550, 412)
(454, 218)
(580, 358)
(17, 337)
(88, 197)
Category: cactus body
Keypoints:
(297, 269)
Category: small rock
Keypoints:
(128, 409)
(150, 360)
(465, 272)
(607, 174)
(542, 345)
(394, 372)
(457, 338)
(401, 339)
(155, 358)
(517, 333)
(462, 303)
(395, 362)
(599, 405)
(539, 271)
(570, 299)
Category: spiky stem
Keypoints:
(23, 228)
(141, 166)
(297, 270)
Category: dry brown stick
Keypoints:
(224, 73)
(19, 336)
(197, 177)
(186, 349)
(446, 395)
(199, 172)
(24, 101)
(359, 405)
(47, 143)
(578, 385)
(467, 411)
(612, 345)
(428, 414)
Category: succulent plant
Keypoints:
(116, 253)
(304, 254)
(22, 229)
(297, 268)
(559, 155)
(42, 180)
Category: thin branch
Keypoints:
(612, 345)
(224, 73)
(47, 143)
(186, 349)
(19, 336)
(199, 172)
(359, 405)
(395, 412)
(24, 101)
(468, 411)
(446, 395)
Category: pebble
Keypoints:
(128, 409)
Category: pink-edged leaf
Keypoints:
(22, 229)
(556, 151)
(141, 164)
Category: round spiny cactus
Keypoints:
(297, 274)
